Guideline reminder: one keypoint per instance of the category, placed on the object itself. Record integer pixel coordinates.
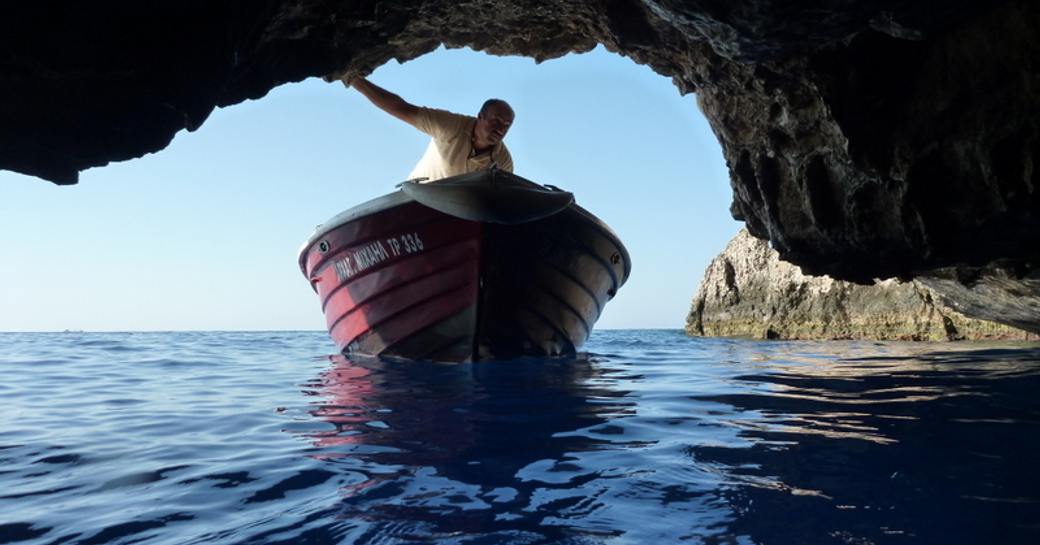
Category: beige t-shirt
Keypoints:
(451, 149)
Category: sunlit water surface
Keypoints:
(185, 438)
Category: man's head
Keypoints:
(493, 122)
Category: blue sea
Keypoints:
(651, 437)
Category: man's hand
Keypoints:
(345, 76)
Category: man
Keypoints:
(460, 143)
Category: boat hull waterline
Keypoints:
(525, 274)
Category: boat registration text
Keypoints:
(369, 255)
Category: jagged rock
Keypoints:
(1002, 293)
(887, 157)
(865, 138)
(748, 291)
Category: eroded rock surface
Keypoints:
(1005, 293)
(748, 291)
(865, 139)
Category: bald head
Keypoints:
(497, 104)
(493, 122)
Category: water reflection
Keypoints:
(751, 443)
(176, 438)
(937, 447)
(533, 451)
(485, 444)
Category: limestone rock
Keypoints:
(888, 157)
(1003, 293)
(748, 291)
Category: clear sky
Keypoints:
(204, 234)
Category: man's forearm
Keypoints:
(384, 100)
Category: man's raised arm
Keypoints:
(385, 100)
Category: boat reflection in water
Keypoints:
(498, 450)
(477, 422)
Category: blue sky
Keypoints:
(203, 234)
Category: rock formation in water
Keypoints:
(747, 291)
(1006, 293)
(865, 139)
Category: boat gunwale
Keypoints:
(399, 197)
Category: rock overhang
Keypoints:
(864, 139)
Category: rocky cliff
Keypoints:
(748, 291)
(865, 138)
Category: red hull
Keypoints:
(384, 278)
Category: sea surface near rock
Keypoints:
(747, 291)
(263, 438)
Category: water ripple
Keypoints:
(243, 438)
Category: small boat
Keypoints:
(484, 265)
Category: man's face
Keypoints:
(493, 123)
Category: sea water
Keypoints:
(652, 437)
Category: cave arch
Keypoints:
(890, 103)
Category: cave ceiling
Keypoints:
(864, 139)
